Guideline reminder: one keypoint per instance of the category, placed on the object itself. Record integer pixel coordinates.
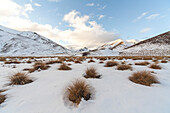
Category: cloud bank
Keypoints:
(83, 32)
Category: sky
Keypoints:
(87, 23)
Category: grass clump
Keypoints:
(20, 78)
(40, 65)
(164, 61)
(91, 60)
(77, 61)
(111, 63)
(124, 67)
(54, 61)
(64, 66)
(2, 98)
(155, 66)
(144, 78)
(142, 63)
(77, 90)
(91, 73)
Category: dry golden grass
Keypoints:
(29, 61)
(2, 59)
(2, 98)
(91, 60)
(37, 66)
(54, 62)
(123, 62)
(144, 78)
(148, 58)
(164, 61)
(12, 62)
(63, 66)
(101, 62)
(142, 63)
(77, 90)
(77, 61)
(155, 66)
(40, 65)
(20, 78)
(124, 67)
(111, 63)
(91, 73)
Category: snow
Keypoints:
(26, 43)
(148, 49)
(114, 93)
(113, 48)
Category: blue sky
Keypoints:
(130, 19)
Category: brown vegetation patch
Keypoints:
(142, 63)
(12, 62)
(155, 66)
(77, 61)
(111, 63)
(164, 61)
(77, 90)
(20, 78)
(54, 62)
(124, 67)
(91, 73)
(2, 98)
(91, 60)
(40, 65)
(64, 66)
(144, 78)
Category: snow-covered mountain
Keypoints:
(27, 43)
(113, 48)
(156, 46)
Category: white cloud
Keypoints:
(141, 16)
(101, 16)
(54, 0)
(90, 4)
(36, 4)
(83, 33)
(101, 8)
(9, 8)
(145, 30)
(153, 16)
(28, 7)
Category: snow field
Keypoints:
(114, 92)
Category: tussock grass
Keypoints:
(101, 62)
(123, 62)
(54, 62)
(64, 66)
(77, 90)
(2, 59)
(2, 98)
(144, 78)
(91, 60)
(124, 67)
(164, 61)
(148, 58)
(29, 61)
(40, 65)
(142, 63)
(77, 61)
(12, 62)
(20, 78)
(91, 73)
(155, 66)
(111, 63)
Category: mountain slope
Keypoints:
(16, 43)
(156, 46)
(112, 48)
